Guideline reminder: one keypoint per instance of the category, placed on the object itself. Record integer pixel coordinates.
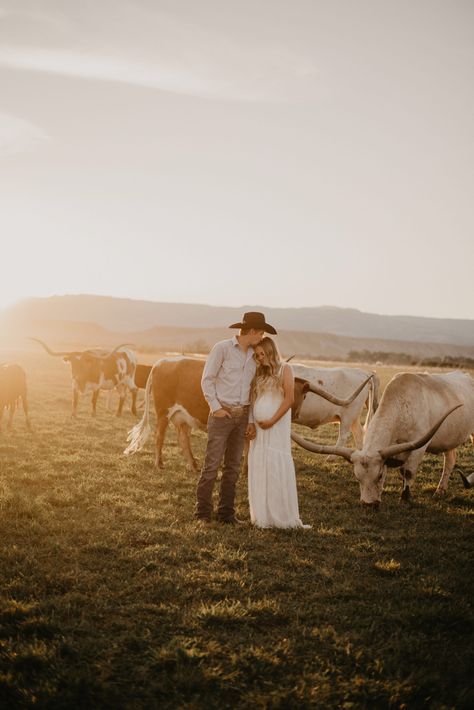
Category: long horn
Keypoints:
(343, 451)
(51, 352)
(337, 400)
(111, 352)
(392, 451)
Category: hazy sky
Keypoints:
(275, 152)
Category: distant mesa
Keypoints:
(324, 330)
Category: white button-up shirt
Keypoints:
(228, 374)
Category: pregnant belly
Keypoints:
(266, 406)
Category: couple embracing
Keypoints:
(250, 392)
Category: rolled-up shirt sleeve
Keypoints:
(208, 381)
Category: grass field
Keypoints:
(112, 597)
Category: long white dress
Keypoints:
(273, 499)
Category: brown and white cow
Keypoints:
(409, 421)
(178, 397)
(94, 370)
(140, 379)
(12, 389)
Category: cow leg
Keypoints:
(134, 401)
(184, 432)
(95, 397)
(109, 400)
(121, 391)
(1, 415)
(12, 408)
(342, 440)
(24, 401)
(75, 400)
(161, 426)
(405, 494)
(408, 472)
(449, 461)
(358, 433)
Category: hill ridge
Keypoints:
(127, 315)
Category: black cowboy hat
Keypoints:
(254, 320)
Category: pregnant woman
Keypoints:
(273, 498)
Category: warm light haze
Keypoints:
(278, 153)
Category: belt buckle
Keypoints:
(235, 411)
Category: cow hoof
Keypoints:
(440, 492)
(405, 496)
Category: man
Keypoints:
(226, 380)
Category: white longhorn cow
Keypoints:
(409, 421)
(342, 382)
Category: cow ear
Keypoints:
(394, 463)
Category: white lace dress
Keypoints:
(273, 499)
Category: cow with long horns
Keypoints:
(418, 412)
(177, 394)
(94, 370)
(352, 389)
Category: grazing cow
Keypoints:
(12, 388)
(409, 421)
(341, 381)
(93, 371)
(178, 397)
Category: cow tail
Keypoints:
(138, 436)
(373, 400)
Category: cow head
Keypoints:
(85, 368)
(370, 472)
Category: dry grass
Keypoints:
(113, 598)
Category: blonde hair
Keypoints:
(267, 375)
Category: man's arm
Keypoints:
(208, 381)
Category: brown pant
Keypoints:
(226, 438)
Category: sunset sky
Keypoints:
(272, 152)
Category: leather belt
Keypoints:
(236, 411)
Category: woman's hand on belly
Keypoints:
(266, 424)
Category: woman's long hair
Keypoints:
(268, 375)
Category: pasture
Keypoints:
(112, 597)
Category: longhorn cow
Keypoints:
(341, 381)
(93, 371)
(409, 421)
